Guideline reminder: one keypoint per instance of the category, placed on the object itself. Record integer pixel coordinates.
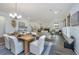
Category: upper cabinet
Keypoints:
(74, 19)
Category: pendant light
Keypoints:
(15, 15)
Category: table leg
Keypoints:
(26, 47)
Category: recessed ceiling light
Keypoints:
(55, 12)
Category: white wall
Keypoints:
(3, 18)
(75, 29)
(74, 9)
(8, 27)
(5, 26)
(2, 24)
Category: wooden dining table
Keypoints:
(26, 39)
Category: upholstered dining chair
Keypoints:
(7, 41)
(16, 45)
(37, 46)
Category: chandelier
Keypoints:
(15, 15)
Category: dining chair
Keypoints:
(16, 45)
(7, 41)
(37, 46)
(34, 33)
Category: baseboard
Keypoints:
(76, 51)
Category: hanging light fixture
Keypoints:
(15, 15)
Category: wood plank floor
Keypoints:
(59, 46)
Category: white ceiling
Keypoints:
(38, 11)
